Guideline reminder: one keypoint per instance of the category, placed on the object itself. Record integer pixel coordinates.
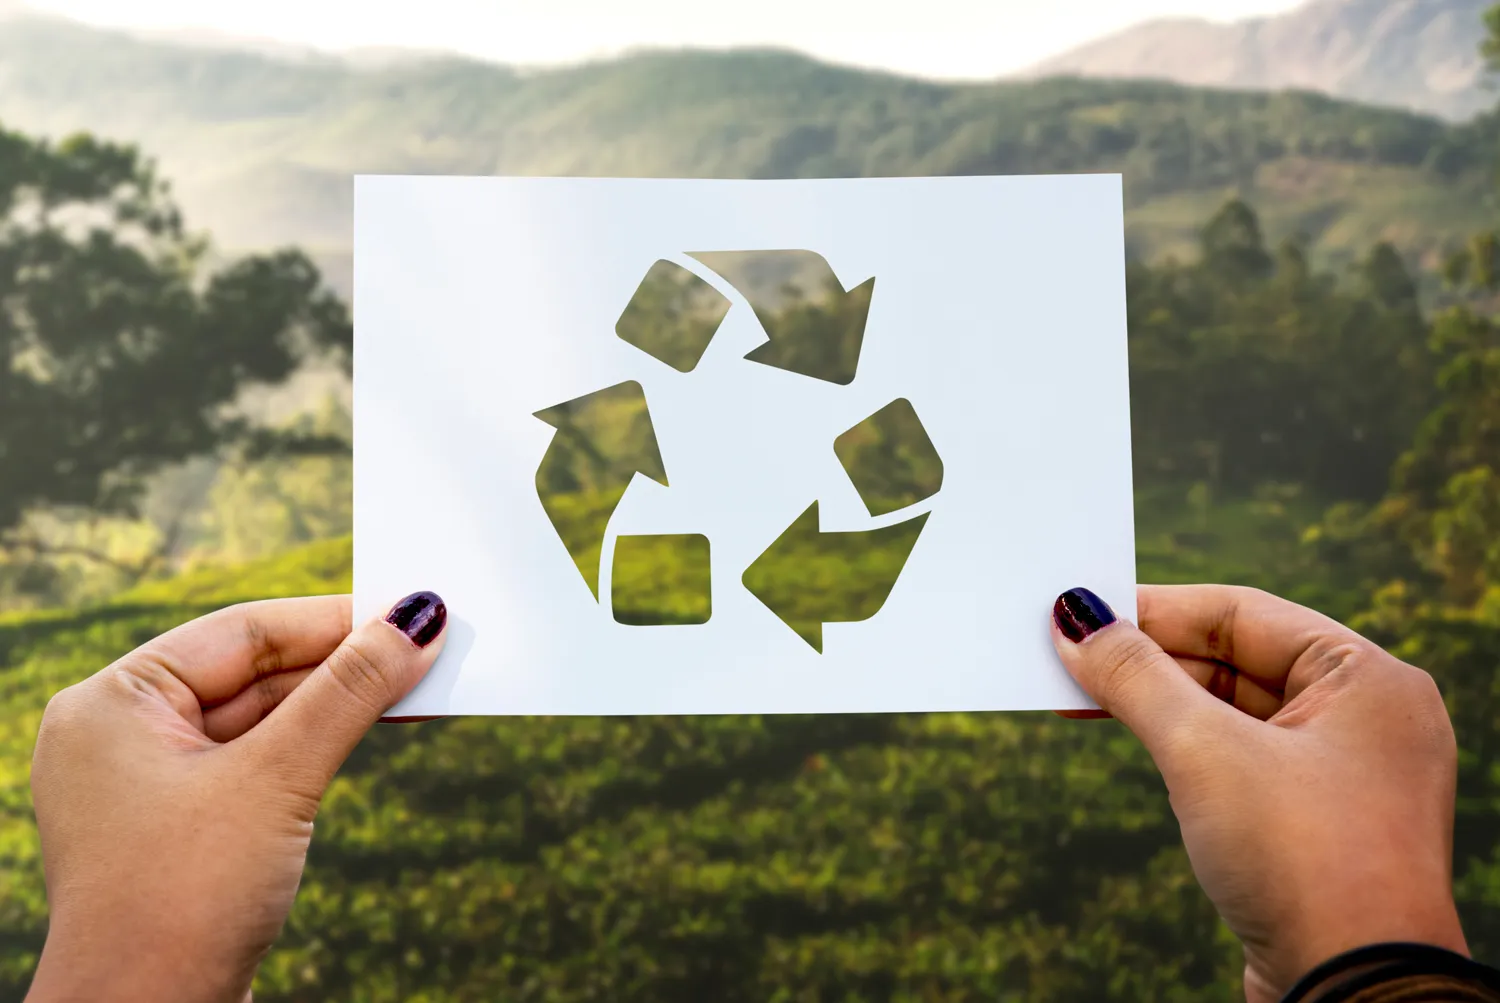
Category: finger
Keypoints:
(1129, 675)
(1272, 640)
(1232, 687)
(217, 656)
(1220, 680)
(252, 705)
(310, 734)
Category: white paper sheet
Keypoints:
(998, 311)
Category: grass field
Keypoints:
(917, 857)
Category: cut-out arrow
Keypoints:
(816, 327)
(603, 440)
(809, 578)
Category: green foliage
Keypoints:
(673, 316)
(1490, 47)
(809, 577)
(118, 352)
(235, 507)
(1444, 501)
(1189, 533)
(1482, 264)
(1429, 552)
(890, 459)
(817, 330)
(1249, 368)
(662, 579)
(259, 505)
(319, 569)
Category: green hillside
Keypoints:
(920, 857)
(261, 149)
(680, 859)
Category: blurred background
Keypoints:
(1314, 279)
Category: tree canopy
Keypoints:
(120, 350)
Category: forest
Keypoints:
(1326, 430)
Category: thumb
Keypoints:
(308, 737)
(1128, 674)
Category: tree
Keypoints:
(119, 351)
(1249, 367)
(1431, 551)
(1233, 245)
(1490, 46)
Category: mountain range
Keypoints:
(1416, 54)
(261, 148)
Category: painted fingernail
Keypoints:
(420, 616)
(1079, 613)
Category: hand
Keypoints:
(175, 790)
(1314, 785)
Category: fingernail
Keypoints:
(1079, 613)
(420, 616)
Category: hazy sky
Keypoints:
(952, 38)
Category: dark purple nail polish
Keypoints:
(420, 616)
(1079, 613)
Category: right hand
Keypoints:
(1315, 790)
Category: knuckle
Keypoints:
(1423, 688)
(1424, 700)
(269, 693)
(65, 711)
(359, 672)
(73, 716)
(1329, 653)
(265, 657)
(1221, 625)
(1120, 665)
(248, 619)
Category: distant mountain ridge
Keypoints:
(1416, 54)
(261, 149)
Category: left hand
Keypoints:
(175, 790)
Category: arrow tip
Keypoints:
(812, 633)
(768, 580)
(821, 336)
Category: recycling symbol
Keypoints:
(814, 328)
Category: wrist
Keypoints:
(1382, 915)
(99, 969)
(66, 974)
(1410, 972)
(1335, 924)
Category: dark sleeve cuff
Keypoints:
(1398, 973)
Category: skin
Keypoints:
(1317, 810)
(176, 808)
